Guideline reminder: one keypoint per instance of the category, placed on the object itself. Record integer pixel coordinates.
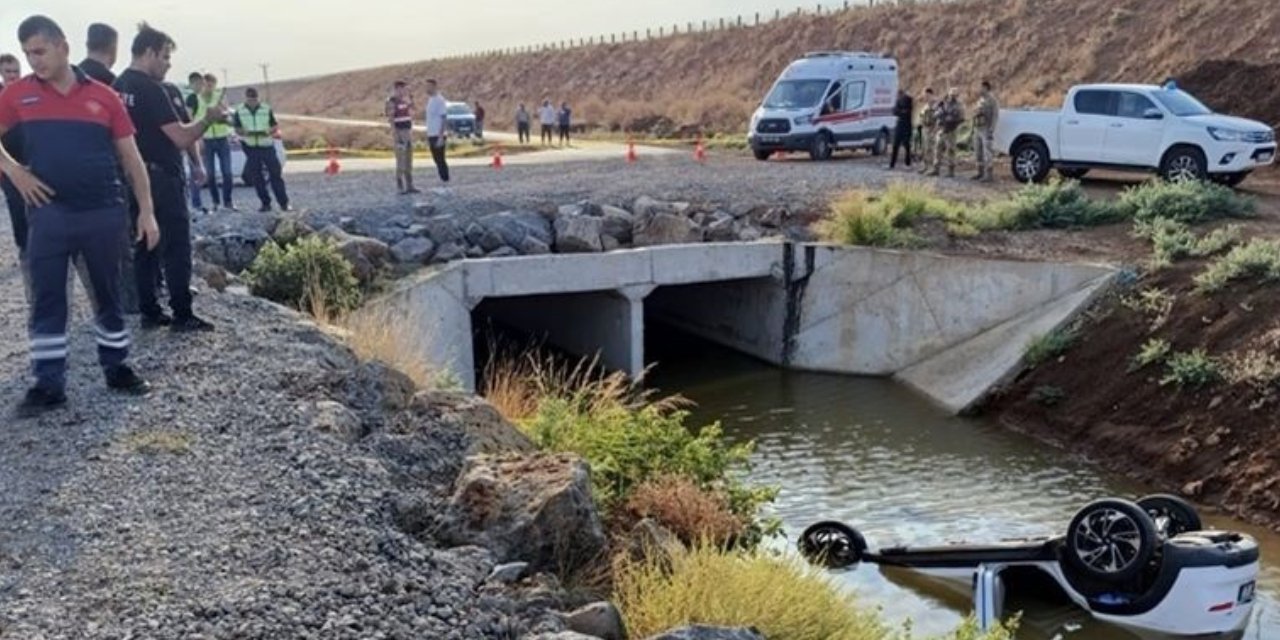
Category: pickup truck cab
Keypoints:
(1133, 127)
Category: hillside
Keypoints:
(1032, 50)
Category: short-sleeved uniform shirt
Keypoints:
(151, 108)
(175, 98)
(68, 141)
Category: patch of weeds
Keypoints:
(1047, 395)
(156, 442)
(1049, 346)
(1152, 302)
(1258, 370)
(1257, 259)
(1153, 351)
(1053, 205)
(862, 219)
(1189, 202)
(1172, 240)
(1193, 369)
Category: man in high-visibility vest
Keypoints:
(217, 145)
(256, 126)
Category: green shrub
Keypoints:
(1153, 351)
(1173, 240)
(1193, 369)
(1188, 202)
(1053, 205)
(1044, 348)
(310, 275)
(858, 218)
(1257, 259)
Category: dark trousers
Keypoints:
(564, 134)
(173, 254)
(57, 235)
(901, 140)
(437, 145)
(548, 134)
(522, 133)
(263, 159)
(17, 213)
(219, 148)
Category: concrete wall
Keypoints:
(436, 303)
(744, 315)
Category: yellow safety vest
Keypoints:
(256, 125)
(218, 130)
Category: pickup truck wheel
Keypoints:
(1182, 164)
(1073, 174)
(761, 154)
(1030, 161)
(821, 147)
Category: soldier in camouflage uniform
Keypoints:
(950, 117)
(985, 114)
(928, 130)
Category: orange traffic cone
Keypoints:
(333, 167)
(631, 150)
(700, 151)
(778, 155)
(497, 157)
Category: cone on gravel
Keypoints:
(333, 167)
(631, 151)
(497, 157)
(699, 150)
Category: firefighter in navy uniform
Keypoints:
(256, 125)
(161, 139)
(76, 137)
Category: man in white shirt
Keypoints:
(437, 128)
(547, 116)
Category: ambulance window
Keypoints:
(833, 100)
(854, 95)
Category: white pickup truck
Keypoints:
(1133, 127)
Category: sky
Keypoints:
(298, 38)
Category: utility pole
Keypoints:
(266, 81)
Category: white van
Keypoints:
(828, 100)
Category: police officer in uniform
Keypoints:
(161, 138)
(256, 124)
(77, 137)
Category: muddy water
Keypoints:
(876, 456)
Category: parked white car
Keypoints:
(1161, 129)
(825, 101)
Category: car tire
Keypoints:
(1172, 515)
(761, 154)
(1030, 161)
(832, 544)
(1183, 163)
(1111, 540)
(1073, 174)
(821, 148)
(881, 145)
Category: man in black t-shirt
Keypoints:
(162, 137)
(103, 44)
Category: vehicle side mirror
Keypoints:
(1152, 114)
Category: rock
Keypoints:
(413, 250)
(514, 226)
(443, 230)
(721, 227)
(449, 252)
(609, 243)
(507, 573)
(578, 234)
(233, 251)
(583, 208)
(212, 274)
(646, 207)
(533, 508)
(774, 217)
(389, 235)
(474, 252)
(402, 221)
(291, 229)
(503, 252)
(665, 228)
(648, 538)
(618, 224)
(562, 635)
(367, 256)
(424, 209)
(487, 432)
(347, 224)
(706, 632)
(335, 418)
(749, 234)
(1193, 489)
(415, 231)
(601, 619)
(373, 386)
(532, 246)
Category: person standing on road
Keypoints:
(904, 109)
(77, 137)
(985, 114)
(10, 73)
(522, 125)
(217, 143)
(399, 112)
(195, 86)
(437, 128)
(950, 117)
(565, 120)
(928, 129)
(257, 127)
(479, 121)
(102, 45)
(161, 139)
(547, 117)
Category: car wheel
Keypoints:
(881, 145)
(1030, 161)
(821, 148)
(1182, 164)
(832, 544)
(1171, 515)
(1073, 174)
(761, 154)
(1111, 540)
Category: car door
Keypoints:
(1135, 135)
(1083, 133)
(854, 122)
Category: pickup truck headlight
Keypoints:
(1226, 135)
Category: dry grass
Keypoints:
(158, 442)
(516, 384)
(694, 514)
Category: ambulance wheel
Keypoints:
(1111, 540)
(832, 544)
(881, 145)
(1172, 515)
(761, 154)
(822, 147)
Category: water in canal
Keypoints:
(875, 455)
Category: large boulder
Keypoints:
(368, 257)
(721, 227)
(486, 431)
(601, 620)
(515, 227)
(445, 229)
(578, 234)
(706, 632)
(665, 228)
(532, 508)
(413, 250)
(291, 229)
(584, 208)
(449, 252)
(618, 224)
(233, 251)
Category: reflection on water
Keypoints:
(876, 456)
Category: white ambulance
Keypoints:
(825, 101)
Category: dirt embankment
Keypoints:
(1032, 50)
